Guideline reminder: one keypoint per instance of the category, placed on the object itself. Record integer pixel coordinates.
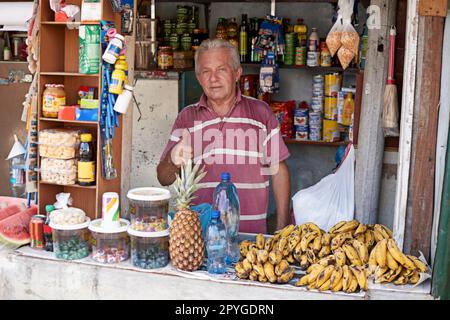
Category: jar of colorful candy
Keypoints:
(71, 242)
(149, 250)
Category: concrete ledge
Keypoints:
(27, 277)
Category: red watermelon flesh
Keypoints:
(14, 230)
(9, 211)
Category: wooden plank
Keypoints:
(358, 102)
(433, 8)
(370, 138)
(406, 125)
(421, 187)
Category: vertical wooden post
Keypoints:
(419, 216)
(369, 157)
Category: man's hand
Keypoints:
(182, 151)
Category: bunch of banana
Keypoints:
(268, 260)
(389, 264)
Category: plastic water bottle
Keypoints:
(226, 201)
(17, 176)
(216, 244)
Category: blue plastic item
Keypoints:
(226, 200)
(204, 211)
(216, 245)
(86, 114)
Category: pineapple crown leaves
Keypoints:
(186, 183)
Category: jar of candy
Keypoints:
(149, 209)
(110, 245)
(149, 250)
(165, 58)
(71, 242)
(53, 98)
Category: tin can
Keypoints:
(186, 42)
(312, 59)
(174, 41)
(301, 133)
(330, 131)
(300, 56)
(300, 121)
(318, 87)
(317, 104)
(332, 84)
(330, 106)
(318, 79)
(315, 134)
(340, 106)
(248, 84)
(37, 231)
(315, 119)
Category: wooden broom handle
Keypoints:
(392, 34)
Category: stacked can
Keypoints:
(316, 114)
(167, 31)
(301, 123)
(332, 86)
(300, 56)
(291, 41)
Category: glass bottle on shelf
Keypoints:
(86, 163)
(232, 33)
(243, 39)
(221, 30)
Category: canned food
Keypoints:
(315, 119)
(331, 131)
(332, 84)
(300, 121)
(301, 112)
(330, 106)
(318, 87)
(312, 59)
(318, 78)
(300, 56)
(37, 231)
(165, 58)
(301, 135)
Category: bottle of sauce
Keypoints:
(313, 43)
(221, 30)
(232, 33)
(254, 31)
(86, 163)
(325, 55)
(48, 237)
(243, 39)
(302, 30)
(347, 111)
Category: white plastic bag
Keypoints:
(331, 200)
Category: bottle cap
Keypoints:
(215, 214)
(225, 176)
(49, 208)
(86, 137)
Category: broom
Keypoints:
(390, 110)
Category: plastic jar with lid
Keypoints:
(165, 58)
(110, 245)
(113, 49)
(149, 250)
(71, 242)
(149, 209)
(53, 98)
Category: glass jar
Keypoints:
(165, 58)
(71, 242)
(53, 97)
(149, 209)
(186, 42)
(110, 246)
(325, 55)
(174, 41)
(149, 250)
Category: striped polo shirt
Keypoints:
(246, 143)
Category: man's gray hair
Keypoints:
(218, 44)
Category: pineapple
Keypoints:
(186, 238)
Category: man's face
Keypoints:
(216, 75)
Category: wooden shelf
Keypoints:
(77, 186)
(90, 123)
(68, 74)
(73, 23)
(212, 1)
(316, 69)
(316, 143)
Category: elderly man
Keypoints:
(232, 133)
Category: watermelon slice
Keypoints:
(9, 211)
(14, 230)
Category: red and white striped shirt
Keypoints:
(245, 143)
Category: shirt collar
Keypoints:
(204, 100)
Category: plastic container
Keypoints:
(71, 242)
(62, 172)
(53, 98)
(110, 246)
(149, 250)
(148, 209)
(216, 245)
(113, 49)
(59, 143)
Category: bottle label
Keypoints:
(243, 43)
(86, 171)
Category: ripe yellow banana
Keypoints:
(275, 257)
(269, 271)
(259, 269)
(346, 277)
(239, 268)
(391, 263)
(326, 239)
(303, 281)
(329, 260)
(298, 249)
(312, 267)
(286, 231)
(294, 239)
(387, 231)
(381, 253)
(338, 286)
(369, 239)
(380, 272)
(407, 273)
(262, 279)
(415, 277)
(314, 227)
(401, 280)
(317, 244)
(307, 238)
(247, 265)
(399, 256)
(325, 286)
(253, 275)
(268, 245)
(243, 247)
(380, 233)
(373, 260)
(281, 267)
(311, 257)
(340, 239)
(348, 226)
(336, 276)
(241, 275)
(324, 276)
(286, 276)
(422, 267)
(337, 226)
(362, 250)
(351, 254)
(252, 257)
(282, 244)
(314, 274)
(361, 238)
(360, 230)
(341, 257)
(260, 241)
(276, 236)
(262, 256)
(286, 252)
(304, 263)
(360, 276)
(324, 251)
(389, 276)
(353, 286)
(290, 259)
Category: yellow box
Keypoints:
(331, 131)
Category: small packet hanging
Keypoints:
(350, 38)
(334, 37)
(268, 75)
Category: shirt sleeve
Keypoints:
(275, 150)
(175, 135)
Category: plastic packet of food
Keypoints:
(345, 57)
(333, 39)
(349, 37)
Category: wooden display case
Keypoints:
(58, 63)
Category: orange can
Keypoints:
(37, 231)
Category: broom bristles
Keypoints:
(390, 111)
